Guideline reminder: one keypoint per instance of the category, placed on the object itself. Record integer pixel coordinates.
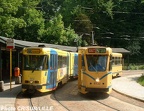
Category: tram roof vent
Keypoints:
(41, 45)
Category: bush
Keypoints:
(135, 67)
(141, 80)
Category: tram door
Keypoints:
(52, 71)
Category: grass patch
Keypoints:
(141, 80)
(134, 67)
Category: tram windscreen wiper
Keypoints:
(36, 66)
(34, 69)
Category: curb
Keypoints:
(128, 95)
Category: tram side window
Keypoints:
(117, 60)
(53, 61)
(62, 61)
(113, 61)
(59, 61)
(120, 60)
(75, 60)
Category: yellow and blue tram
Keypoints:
(94, 69)
(44, 68)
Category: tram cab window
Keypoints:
(96, 62)
(35, 62)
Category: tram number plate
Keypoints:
(97, 83)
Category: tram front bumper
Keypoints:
(27, 86)
(97, 89)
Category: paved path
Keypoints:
(128, 85)
(8, 97)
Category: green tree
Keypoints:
(56, 33)
(8, 19)
(49, 7)
(83, 26)
(85, 15)
(33, 19)
(21, 20)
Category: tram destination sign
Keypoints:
(10, 44)
(33, 51)
(97, 50)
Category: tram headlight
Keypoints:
(97, 80)
(31, 81)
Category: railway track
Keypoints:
(60, 102)
(102, 102)
(77, 102)
(67, 98)
(24, 102)
(118, 104)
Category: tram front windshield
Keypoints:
(35, 62)
(96, 62)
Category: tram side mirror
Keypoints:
(110, 63)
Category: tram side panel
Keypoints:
(73, 66)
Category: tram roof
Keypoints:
(115, 50)
(22, 44)
(120, 50)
